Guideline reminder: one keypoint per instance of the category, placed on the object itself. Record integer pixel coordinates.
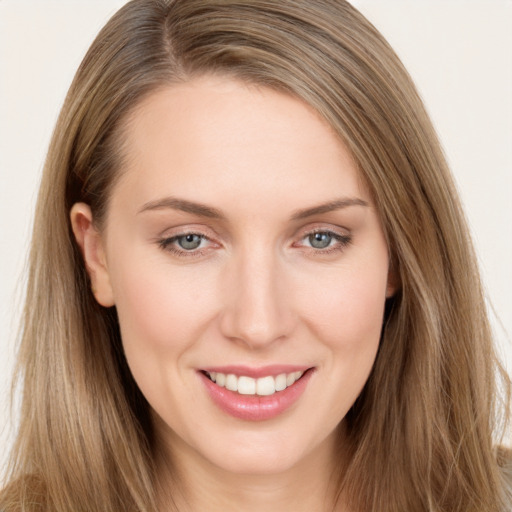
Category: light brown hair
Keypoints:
(422, 435)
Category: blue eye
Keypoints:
(189, 242)
(320, 240)
(325, 242)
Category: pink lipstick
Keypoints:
(255, 394)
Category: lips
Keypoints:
(255, 394)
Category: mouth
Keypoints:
(262, 386)
(255, 397)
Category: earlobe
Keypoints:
(390, 290)
(393, 284)
(91, 246)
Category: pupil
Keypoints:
(189, 242)
(320, 240)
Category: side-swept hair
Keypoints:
(422, 435)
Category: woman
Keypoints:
(266, 297)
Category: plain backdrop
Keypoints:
(459, 52)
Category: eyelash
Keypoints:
(342, 241)
(169, 244)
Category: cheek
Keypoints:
(162, 313)
(348, 321)
(348, 315)
(159, 309)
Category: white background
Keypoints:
(459, 52)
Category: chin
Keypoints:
(258, 463)
(266, 453)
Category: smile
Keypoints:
(261, 395)
(264, 386)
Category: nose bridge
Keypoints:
(256, 311)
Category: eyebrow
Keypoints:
(183, 205)
(331, 206)
(203, 210)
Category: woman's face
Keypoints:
(241, 245)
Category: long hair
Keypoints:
(422, 434)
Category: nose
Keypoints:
(257, 307)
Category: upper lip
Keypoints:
(257, 372)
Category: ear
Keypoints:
(393, 284)
(91, 245)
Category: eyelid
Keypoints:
(322, 228)
(185, 229)
(342, 236)
(167, 241)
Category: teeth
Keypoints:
(220, 379)
(281, 382)
(246, 385)
(263, 386)
(231, 382)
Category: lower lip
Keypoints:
(255, 407)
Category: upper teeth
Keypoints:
(249, 386)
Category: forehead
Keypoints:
(214, 137)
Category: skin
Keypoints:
(255, 292)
